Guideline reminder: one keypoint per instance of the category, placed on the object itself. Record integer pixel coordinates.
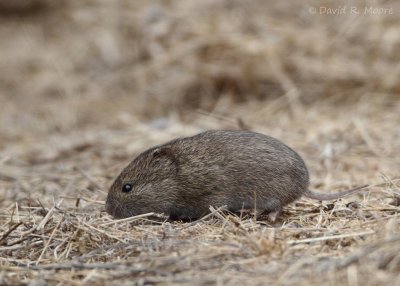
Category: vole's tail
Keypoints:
(334, 196)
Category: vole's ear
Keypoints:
(165, 156)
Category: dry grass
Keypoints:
(87, 85)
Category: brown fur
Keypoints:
(183, 177)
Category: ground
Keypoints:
(86, 86)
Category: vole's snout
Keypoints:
(109, 206)
(113, 208)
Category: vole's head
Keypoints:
(147, 184)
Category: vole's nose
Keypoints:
(114, 208)
(110, 206)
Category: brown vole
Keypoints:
(239, 169)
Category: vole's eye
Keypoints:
(127, 188)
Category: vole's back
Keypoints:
(235, 168)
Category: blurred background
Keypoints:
(86, 85)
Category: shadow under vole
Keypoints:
(239, 169)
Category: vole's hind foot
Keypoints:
(273, 209)
(270, 216)
(273, 216)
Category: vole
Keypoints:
(239, 169)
